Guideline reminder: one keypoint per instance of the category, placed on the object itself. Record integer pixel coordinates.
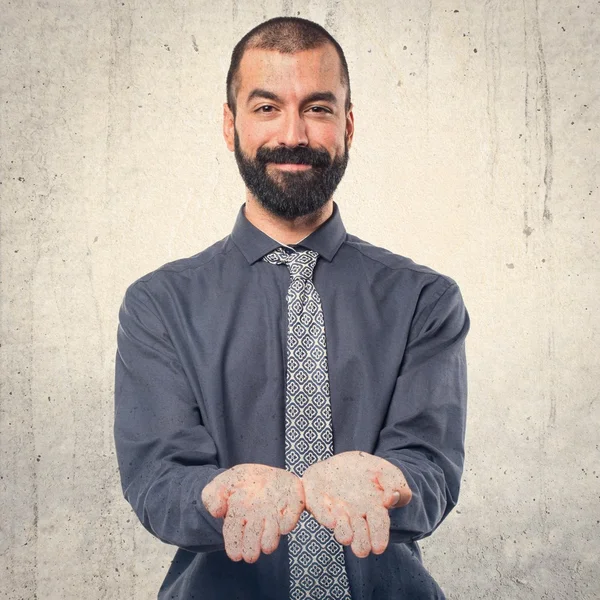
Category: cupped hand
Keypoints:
(259, 504)
(351, 493)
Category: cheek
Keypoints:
(255, 129)
(254, 137)
(328, 136)
(245, 128)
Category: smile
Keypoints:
(291, 167)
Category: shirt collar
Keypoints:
(254, 243)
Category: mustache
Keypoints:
(300, 155)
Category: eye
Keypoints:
(319, 109)
(266, 108)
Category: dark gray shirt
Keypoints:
(200, 387)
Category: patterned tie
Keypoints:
(316, 558)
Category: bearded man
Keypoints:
(290, 402)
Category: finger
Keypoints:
(392, 480)
(289, 515)
(251, 540)
(343, 531)
(214, 499)
(270, 536)
(233, 528)
(322, 510)
(378, 523)
(390, 498)
(361, 544)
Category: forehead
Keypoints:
(296, 73)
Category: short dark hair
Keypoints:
(287, 35)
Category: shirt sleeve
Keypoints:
(424, 430)
(165, 454)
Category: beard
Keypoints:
(291, 194)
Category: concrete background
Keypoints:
(475, 153)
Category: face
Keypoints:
(291, 133)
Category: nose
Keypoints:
(293, 130)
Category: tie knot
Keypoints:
(301, 264)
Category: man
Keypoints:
(290, 402)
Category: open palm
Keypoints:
(351, 493)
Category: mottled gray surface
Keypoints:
(476, 127)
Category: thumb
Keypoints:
(290, 515)
(290, 506)
(390, 498)
(396, 490)
(214, 500)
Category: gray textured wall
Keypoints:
(475, 153)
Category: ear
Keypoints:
(350, 126)
(228, 127)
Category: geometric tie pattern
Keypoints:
(316, 558)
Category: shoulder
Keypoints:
(402, 268)
(428, 295)
(434, 298)
(176, 274)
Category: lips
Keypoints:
(292, 166)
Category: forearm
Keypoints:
(430, 456)
(425, 428)
(431, 500)
(166, 455)
(167, 501)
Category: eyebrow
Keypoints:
(314, 97)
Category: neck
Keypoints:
(284, 230)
